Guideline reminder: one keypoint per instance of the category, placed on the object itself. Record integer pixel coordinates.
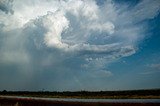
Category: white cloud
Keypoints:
(101, 73)
(82, 26)
(72, 34)
(56, 24)
(86, 9)
(151, 69)
(155, 66)
(146, 9)
(6, 6)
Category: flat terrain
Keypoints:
(34, 101)
(81, 98)
(130, 94)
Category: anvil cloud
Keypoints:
(65, 36)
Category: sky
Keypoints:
(73, 45)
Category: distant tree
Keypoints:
(4, 91)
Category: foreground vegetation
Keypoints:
(28, 102)
(132, 94)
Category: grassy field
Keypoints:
(130, 94)
(30, 102)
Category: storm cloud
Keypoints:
(6, 6)
(67, 41)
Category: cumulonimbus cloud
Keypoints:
(77, 31)
(6, 6)
(87, 29)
